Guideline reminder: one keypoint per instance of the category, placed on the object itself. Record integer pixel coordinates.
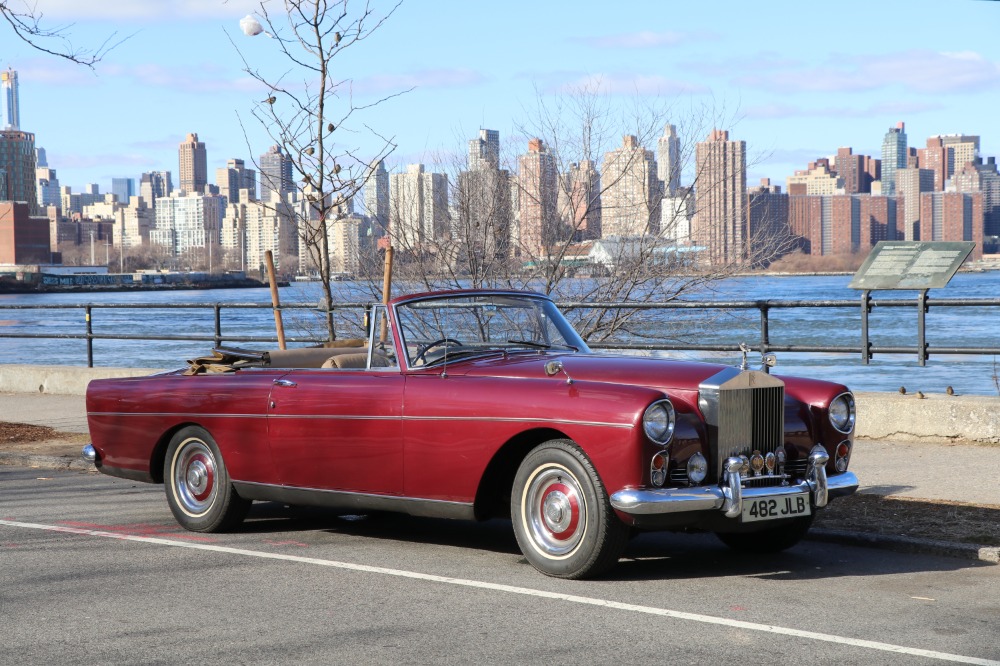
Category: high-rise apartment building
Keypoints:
(720, 223)
(767, 220)
(377, 200)
(668, 160)
(538, 194)
(910, 184)
(630, 202)
(579, 200)
(418, 207)
(275, 175)
(819, 178)
(841, 224)
(46, 183)
(894, 156)
(235, 180)
(851, 171)
(17, 166)
(155, 184)
(187, 222)
(484, 152)
(193, 165)
(978, 176)
(10, 118)
(953, 216)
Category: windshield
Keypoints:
(440, 329)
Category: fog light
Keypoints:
(697, 469)
(843, 456)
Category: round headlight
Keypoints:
(842, 412)
(658, 422)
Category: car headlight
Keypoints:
(842, 413)
(658, 422)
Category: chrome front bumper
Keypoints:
(729, 496)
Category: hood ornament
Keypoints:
(767, 361)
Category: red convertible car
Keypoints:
(479, 404)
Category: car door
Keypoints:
(338, 429)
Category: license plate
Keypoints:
(772, 508)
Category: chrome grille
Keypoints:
(745, 412)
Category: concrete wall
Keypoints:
(58, 379)
(936, 417)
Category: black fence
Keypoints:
(768, 311)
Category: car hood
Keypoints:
(677, 378)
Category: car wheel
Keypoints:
(199, 491)
(771, 540)
(563, 521)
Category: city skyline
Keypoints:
(781, 75)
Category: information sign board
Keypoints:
(911, 264)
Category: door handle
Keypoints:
(288, 383)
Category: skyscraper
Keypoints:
(123, 188)
(893, 157)
(193, 165)
(580, 200)
(484, 152)
(537, 197)
(418, 209)
(377, 199)
(275, 175)
(235, 177)
(720, 223)
(11, 116)
(153, 185)
(668, 160)
(17, 164)
(631, 198)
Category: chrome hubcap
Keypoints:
(194, 477)
(554, 511)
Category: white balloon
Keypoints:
(251, 26)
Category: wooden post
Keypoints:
(386, 290)
(275, 301)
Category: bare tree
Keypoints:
(29, 25)
(310, 112)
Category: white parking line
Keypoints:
(524, 591)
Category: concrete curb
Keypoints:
(911, 545)
(65, 463)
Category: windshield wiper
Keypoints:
(541, 345)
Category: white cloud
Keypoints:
(918, 70)
(779, 111)
(628, 83)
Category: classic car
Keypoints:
(478, 404)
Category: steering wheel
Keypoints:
(431, 345)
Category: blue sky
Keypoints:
(795, 80)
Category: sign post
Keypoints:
(913, 265)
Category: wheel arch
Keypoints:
(158, 457)
(493, 494)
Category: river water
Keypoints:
(950, 327)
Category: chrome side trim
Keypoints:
(339, 499)
(641, 502)
(349, 417)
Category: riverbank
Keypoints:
(17, 287)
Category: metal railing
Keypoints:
(865, 349)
